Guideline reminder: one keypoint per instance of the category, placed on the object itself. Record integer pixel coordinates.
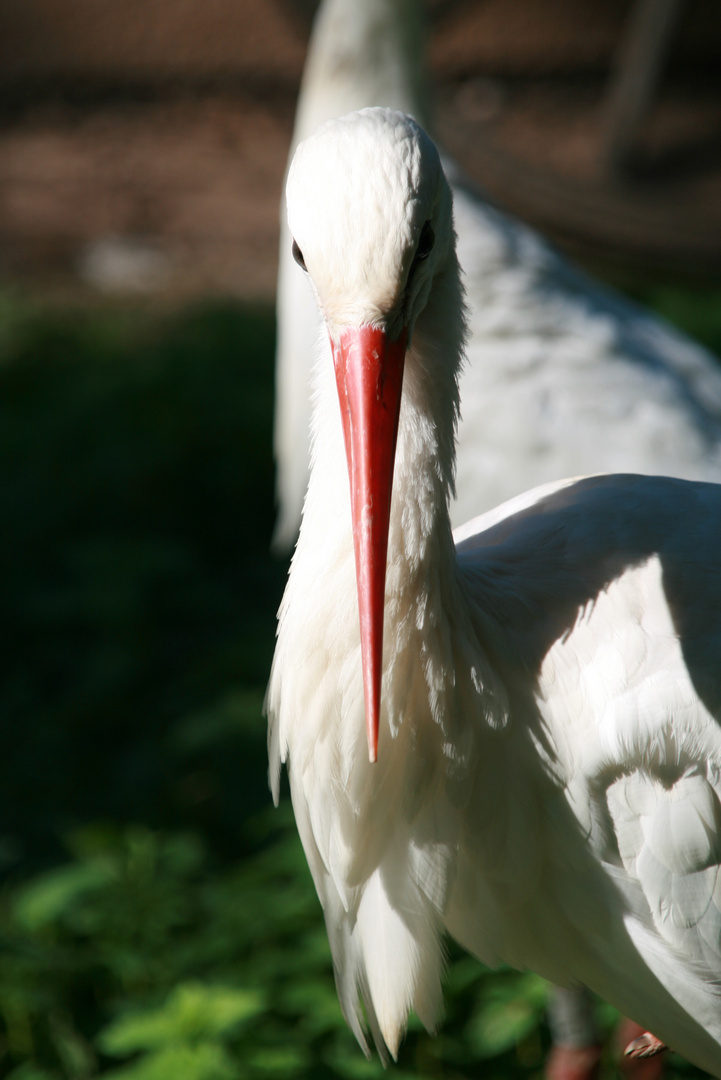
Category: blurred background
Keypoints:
(157, 919)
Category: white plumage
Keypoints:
(562, 377)
(549, 756)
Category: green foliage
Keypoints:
(50, 894)
(509, 1012)
(200, 1061)
(696, 311)
(136, 469)
(157, 918)
(185, 1033)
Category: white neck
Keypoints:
(318, 625)
(363, 54)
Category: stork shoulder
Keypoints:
(603, 595)
(607, 592)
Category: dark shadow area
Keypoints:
(92, 93)
(690, 156)
(136, 483)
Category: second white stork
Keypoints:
(543, 695)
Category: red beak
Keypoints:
(369, 375)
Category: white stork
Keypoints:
(587, 381)
(543, 695)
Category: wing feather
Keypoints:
(669, 838)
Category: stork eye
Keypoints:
(298, 256)
(425, 243)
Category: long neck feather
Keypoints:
(427, 624)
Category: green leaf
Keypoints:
(29, 1071)
(74, 1052)
(316, 1002)
(463, 974)
(51, 895)
(278, 1061)
(192, 1012)
(238, 713)
(512, 1008)
(349, 1062)
(204, 1061)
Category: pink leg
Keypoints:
(641, 1050)
(576, 1050)
(572, 1063)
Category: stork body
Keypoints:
(586, 380)
(563, 376)
(549, 685)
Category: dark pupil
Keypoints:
(298, 255)
(426, 242)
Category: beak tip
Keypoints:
(372, 733)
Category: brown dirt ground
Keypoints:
(174, 188)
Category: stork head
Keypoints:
(370, 213)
